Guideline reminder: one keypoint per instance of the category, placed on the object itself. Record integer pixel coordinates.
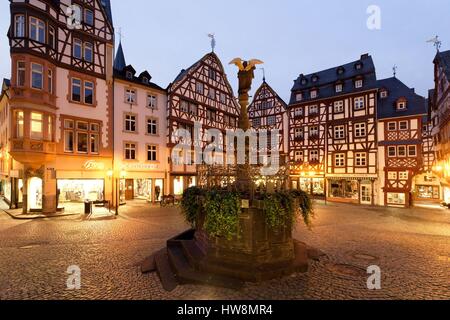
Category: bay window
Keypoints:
(37, 76)
(21, 70)
(36, 126)
(37, 30)
(50, 81)
(20, 124)
(19, 26)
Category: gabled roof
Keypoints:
(387, 107)
(119, 61)
(443, 58)
(263, 86)
(107, 6)
(326, 80)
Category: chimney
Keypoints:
(364, 56)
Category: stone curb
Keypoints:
(37, 217)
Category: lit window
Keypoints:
(359, 103)
(392, 152)
(21, 70)
(50, 81)
(339, 132)
(37, 30)
(76, 90)
(412, 151)
(404, 175)
(152, 127)
(19, 23)
(77, 48)
(130, 123)
(360, 130)
(20, 124)
(339, 107)
(88, 92)
(392, 126)
(152, 153)
(95, 143)
(49, 129)
(37, 76)
(361, 159)
(314, 156)
(37, 126)
(130, 151)
(88, 52)
(392, 175)
(130, 96)
(298, 156)
(339, 160)
(151, 101)
(396, 198)
(69, 141)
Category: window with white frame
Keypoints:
(359, 103)
(358, 84)
(403, 125)
(401, 105)
(69, 136)
(314, 109)
(50, 80)
(88, 92)
(412, 151)
(314, 156)
(360, 130)
(130, 96)
(130, 123)
(211, 93)
(396, 198)
(339, 107)
(77, 48)
(298, 156)
(20, 124)
(339, 132)
(152, 101)
(361, 159)
(82, 137)
(298, 112)
(314, 94)
(94, 138)
(130, 151)
(88, 52)
(76, 90)
(383, 94)
(392, 175)
(37, 126)
(152, 153)
(21, 73)
(299, 133)
(339, 87)
(152, 126)
(401, 151)
(299, 96)
(19, 26)
(37, 30)
(392, 126)
(339, 160)
(37, 76)
(392, 152)
(403, 175)
(314, 131)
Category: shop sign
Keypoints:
(140, 166)
(14, 174)
(93, 165)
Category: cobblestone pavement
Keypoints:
(411, 248)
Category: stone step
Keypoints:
(186, 274)
(165, 272)
(192, 252)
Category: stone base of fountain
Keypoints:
(258, 254)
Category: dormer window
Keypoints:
(145, 80)
(315, 78)
(339, 87)
(401, 105)
(340, 70)
(304, 81)
(129, 75)
(299, 97)
(359, 84)
(358, 66)
(314, 94)
(383, 94)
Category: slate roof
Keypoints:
(107, 6)
(327, 80)
(119, 61)
(444, 59)
(387, 107)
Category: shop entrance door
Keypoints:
(129, 189)
(366, 194)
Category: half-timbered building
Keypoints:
(332, 132)
(441, 121)
(268, 112)
(402, 117)
(61, 100)
(140, 148)
(200, 94)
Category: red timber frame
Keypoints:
(200, 94)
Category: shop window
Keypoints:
(37, 30)
(21, 71)
(77, 191)
(152, 153)
(396, 198)
(36, 126)
(130, 151)
(339, 160)
(346, 189)
(19, 26)
(37, 76)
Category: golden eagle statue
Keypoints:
(246, 73)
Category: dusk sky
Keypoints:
(291, 37)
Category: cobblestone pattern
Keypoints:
(414, 256)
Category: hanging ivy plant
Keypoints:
(191, 205)
(305, 206)
(222, 214)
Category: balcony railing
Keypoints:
(33, 146)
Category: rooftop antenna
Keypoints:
(436, 42)
(212, 36)
(394, 69)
